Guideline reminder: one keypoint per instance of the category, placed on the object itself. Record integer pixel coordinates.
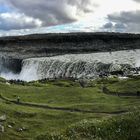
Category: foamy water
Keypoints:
(75, 65)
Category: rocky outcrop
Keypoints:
(10, 64)
(2, 120)
(41, 45)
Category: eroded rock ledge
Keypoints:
(42, 45)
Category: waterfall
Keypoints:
(76, 65)
(34, 69)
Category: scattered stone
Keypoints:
(24, 129)
(9, 126)
(8, 84)
(19, 130)
(3, 118)
(1, 128)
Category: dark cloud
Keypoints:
(108, 25)
(126, 17)
(54, 12)
(119, 26)
(128, 21)
(137, 0)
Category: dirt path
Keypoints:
(44, 106)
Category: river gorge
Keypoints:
(73, 55)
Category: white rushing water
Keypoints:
(75, 65)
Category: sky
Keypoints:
(19, 17)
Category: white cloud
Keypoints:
(18, 21)
(78, 15)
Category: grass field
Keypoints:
(37, 122)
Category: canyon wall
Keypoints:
(42, 45)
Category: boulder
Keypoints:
(1, 128)
(2, 118)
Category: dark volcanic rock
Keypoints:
(41, 45)
(10, 64)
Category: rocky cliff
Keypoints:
(41, 45)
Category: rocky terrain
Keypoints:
(41, 45)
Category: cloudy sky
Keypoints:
(41, 16)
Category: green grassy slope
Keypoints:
(62, 93)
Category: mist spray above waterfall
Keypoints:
(74, 66)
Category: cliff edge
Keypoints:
(42, 45)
